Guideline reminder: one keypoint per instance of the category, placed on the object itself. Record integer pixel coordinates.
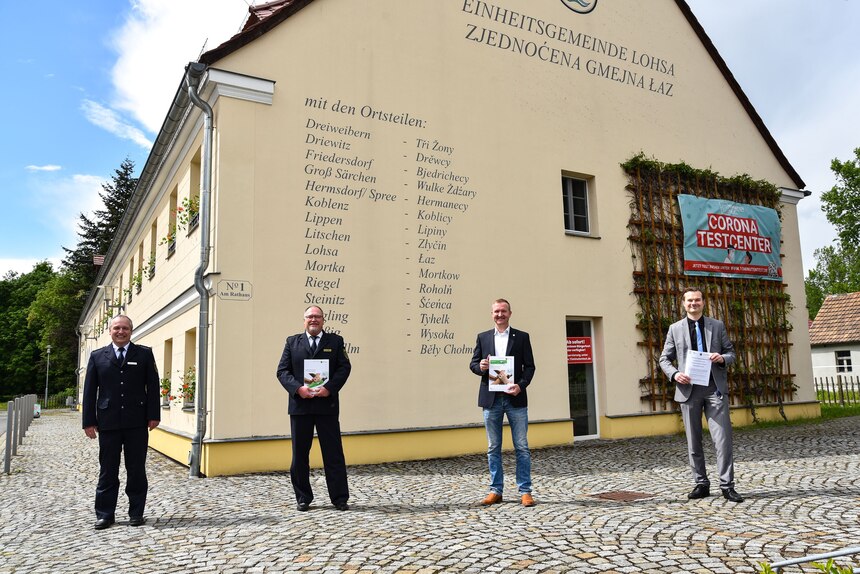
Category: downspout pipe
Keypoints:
(193, 74)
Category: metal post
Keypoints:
(24, 424)
(23, 421)
(815, 557)
(47, 372)
(7, 454)
(16, 425)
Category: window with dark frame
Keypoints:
(843, 362)
(574, 193)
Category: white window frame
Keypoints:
(843, 362)
(577, 205)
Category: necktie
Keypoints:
(699, 346)
(313, 345)
(121, 356)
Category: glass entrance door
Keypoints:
(580, 379)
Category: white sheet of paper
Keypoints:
(698, 367)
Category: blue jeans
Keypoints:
(518, 419)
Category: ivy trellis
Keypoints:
(755, 311)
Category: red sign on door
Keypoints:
(579, 350)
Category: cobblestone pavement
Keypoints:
(802, 485)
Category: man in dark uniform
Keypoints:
(121, 406)
(317, 406)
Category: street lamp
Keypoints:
(47, 374)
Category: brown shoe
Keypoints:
(491, 498)
(527, 500)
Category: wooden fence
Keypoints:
(838, 390)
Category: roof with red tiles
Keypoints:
(838, 320)
(260, 12)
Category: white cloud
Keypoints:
(112, 122)
(48, 167)
(59, 201)
(157, 41)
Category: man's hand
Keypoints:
(152, 424)
(513, 390)
(90, 432)
(716, 358)
(485, 363)
(305, 392)
(682, 378)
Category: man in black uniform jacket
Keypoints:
(121, 406)
(315, 407)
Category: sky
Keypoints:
(88, 83)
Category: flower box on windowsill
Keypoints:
(171, 248)
(193, 223)
(188, 407)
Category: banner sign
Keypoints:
(727, 239)
(579, 350)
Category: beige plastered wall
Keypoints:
(512, 124)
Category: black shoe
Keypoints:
(303, 506)
(136, 521)
(730, 494)
(103, 523)
(701, 491)
(342, 506)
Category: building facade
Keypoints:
(402, 164)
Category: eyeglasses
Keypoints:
(313, 316)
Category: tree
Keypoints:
(837, 270)
(841, 204)
(837, 267)
(97, 233)
(42, 307)
(54, 314)
(22, 357)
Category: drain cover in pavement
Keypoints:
(622, 495)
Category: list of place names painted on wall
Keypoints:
(428, 202)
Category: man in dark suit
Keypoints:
(699, 333)
(505, 341)
(315, 406)
(121, 406)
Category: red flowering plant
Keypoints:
(165, 390)
(186, 212)
(188, 384)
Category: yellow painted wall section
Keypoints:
(240, 457)
(636, 426)
(231, 458)
(171, 445)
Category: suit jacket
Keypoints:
(520, 348)
(121, 396)
(678, 343)
(291, 372)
